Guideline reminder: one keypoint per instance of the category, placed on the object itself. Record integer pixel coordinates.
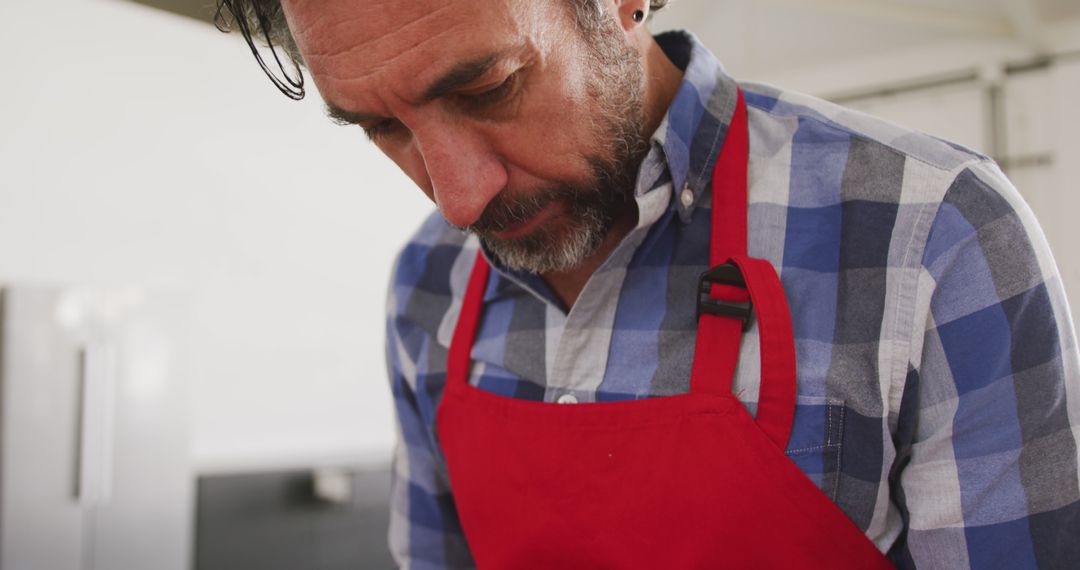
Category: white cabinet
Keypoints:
(94, 470)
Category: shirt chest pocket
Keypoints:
(817, 439)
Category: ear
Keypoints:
(632, 13)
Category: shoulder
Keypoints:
(839, 157)
(983, 232)
(430, 273)
(862, 193)
(818, 119)
(425, 260)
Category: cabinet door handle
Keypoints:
(95, 437)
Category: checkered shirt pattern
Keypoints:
(938, 386)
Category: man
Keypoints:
(599, 170)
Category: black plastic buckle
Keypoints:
(726, 274)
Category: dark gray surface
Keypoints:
(273, 521)
(195, 9)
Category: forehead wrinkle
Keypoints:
(459, 74)
(407, 70)
(348, 76)
(300, 29)
(364, 44)
(345, 79)
(330, 10)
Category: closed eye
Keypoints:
(382, 129)
(492, 97)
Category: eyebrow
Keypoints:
(343, 117)
(457, 77)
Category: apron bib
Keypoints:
(685, 481)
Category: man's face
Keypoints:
(519, 128)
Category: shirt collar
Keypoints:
(689, 138)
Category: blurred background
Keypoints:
(193, 267)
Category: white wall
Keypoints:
(141, 148)
(1059, 208)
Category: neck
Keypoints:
(662, 80)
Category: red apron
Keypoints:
(685, 481)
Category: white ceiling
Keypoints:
(771, 38)
(762, 37)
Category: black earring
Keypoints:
(639, 16)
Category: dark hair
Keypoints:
(265, 20)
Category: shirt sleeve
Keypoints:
(987, 438)
(425, 533)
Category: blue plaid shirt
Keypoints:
(938, 385)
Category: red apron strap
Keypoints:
(457, 365)
(718, 339)
(729, 191)
(717, 349)
(776, 397)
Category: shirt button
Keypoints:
(567, 399)
(687, 197)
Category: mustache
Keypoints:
(506, 210)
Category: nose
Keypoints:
(464, 171)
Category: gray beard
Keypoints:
(590, 215)
(537, 254)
